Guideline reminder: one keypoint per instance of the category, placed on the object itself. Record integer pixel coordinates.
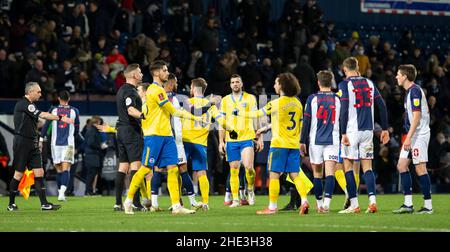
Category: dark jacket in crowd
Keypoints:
(93, 151)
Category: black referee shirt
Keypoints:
(126, 97)
(26, 117)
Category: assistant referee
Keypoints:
(27, 154)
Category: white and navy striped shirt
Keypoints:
(358, 96)
(63, 134)
(321, 119)
(415, 100)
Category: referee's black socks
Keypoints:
(13, 187)
(120, 177)
(40, 189)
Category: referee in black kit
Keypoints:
(27, 154)
(129, 132)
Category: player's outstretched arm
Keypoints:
(180, 112)
(48, 116)
(105, 128)
(221, 120)
(263, 130)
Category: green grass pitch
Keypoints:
(82, 214)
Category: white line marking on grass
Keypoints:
(372, 228)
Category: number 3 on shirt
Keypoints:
(292, 114)
(363, 97)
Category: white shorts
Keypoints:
(181, 154)
(64, 153)
(320, 153)
(361, 145)
(419, 149)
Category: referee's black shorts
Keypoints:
(130, 142)
(26, 153)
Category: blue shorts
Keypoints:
(198, 154)
(234, 149)
(283, 160)
(159, 151)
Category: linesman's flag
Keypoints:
(26, 182)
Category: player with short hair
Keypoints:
(240, 149)
(170, 86)
(195, 135)
(160, 149)
(62, 140)
(416, 142)
(358, 95)
(321, 128)
(284, 154)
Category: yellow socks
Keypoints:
(356, 180)
(204, 188)
(136, 181)
(172, 185)
(250, 175)
(307, 185)
(340, 178)
(148, 187)
(274, 191)
(234, 183)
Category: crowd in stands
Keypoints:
(84, 46)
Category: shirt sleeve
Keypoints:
(32, 110)
(160, 97)
(46, 125)
(415, 97)
(306, 121)
(267, 110)
(379, 103)
(343, 118)
(253, 104)
(131, 100)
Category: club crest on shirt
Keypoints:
(31, 108)
(128, 101)
(339, 93)
(161, 97)
(416, 102)
(244, 105)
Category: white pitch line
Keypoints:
(418, 229)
